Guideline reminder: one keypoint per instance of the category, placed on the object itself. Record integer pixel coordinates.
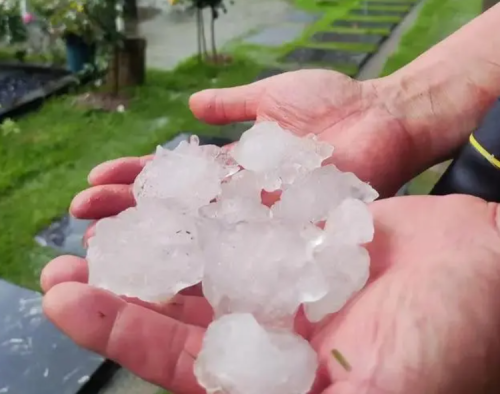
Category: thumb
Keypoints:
(222, 106)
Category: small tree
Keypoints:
(216, 7)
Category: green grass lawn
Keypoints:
(47, 161)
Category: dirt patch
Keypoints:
(103, 101)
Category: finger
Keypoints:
(106, 324)
(221, 106)
(121, 171)
(192, 309)
(89, 233)
(63, 269)
(102, 201)
(189, 309)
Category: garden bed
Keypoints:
(24, 87)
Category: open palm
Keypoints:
(427, 322)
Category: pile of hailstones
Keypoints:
(200, 218)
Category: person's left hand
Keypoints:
(428, 321)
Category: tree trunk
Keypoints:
(212, 34)
(203, 36)
(131, 15)
(130, 63)
(487, 4)
(131, 10)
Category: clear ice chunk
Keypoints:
(350, 223)
(239, 356)
(240, 200)
(244, 184)
(346, 268)
(190, 175)
(149, 252)
(200, 218)
(264, 268)
(235, 210)
(278, 155)
(345, 264)
(316, 193)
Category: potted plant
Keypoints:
(80, 23)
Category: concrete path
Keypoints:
(171, 35)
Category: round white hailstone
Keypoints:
(149, 252)
(346, 268)
(265, 268)
(315, 194)
(350, 223)
(190, 175)
(345, 264)
(279, 155)
(240, 357)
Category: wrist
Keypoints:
(438, 105)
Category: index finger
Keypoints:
(121, 171)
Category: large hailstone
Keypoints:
(240, 357)
(316, 193)
(149, 252)
(190, 175)
(239, 200)
(264, 267)
(344, 262)
(278, 155)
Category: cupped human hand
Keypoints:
(427, 322)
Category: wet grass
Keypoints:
(47, 161)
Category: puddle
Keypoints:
(35, 357)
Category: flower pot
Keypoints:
(79, 53)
